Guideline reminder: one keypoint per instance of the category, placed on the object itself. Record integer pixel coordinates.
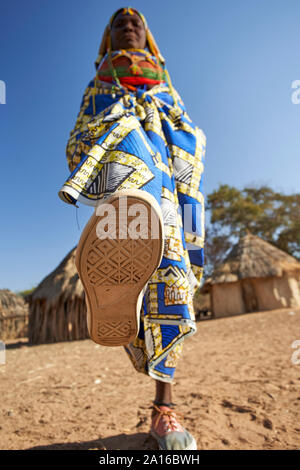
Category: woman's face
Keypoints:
(128, 32)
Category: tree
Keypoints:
(217, 246)
(273, 216)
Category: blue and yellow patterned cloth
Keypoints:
(141, 139)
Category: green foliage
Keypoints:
(24, 293)
(273, 216)
(217, 246)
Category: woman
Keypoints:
(133, 134)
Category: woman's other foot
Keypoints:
(168, 432)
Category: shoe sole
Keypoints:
(115, 270)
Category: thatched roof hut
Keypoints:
(255, 276)
(57, 307)
(13, 315)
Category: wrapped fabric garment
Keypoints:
(140, 139)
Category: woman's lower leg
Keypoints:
(163, 393)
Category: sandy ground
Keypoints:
(236, 386)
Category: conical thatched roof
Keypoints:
(12, 304)
(61, 284)
(253, 257)
(57, 306)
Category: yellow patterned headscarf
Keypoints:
(105, 45)
(105, 48)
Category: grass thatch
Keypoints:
(253, 257)
(57, 306)
(12, 304)
(13, 315)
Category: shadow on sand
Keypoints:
(137, 441)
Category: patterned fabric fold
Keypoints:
(124, 139)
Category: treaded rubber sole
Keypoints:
(115, 268)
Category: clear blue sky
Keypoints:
(232, 61)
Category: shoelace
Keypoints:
(170, 414)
